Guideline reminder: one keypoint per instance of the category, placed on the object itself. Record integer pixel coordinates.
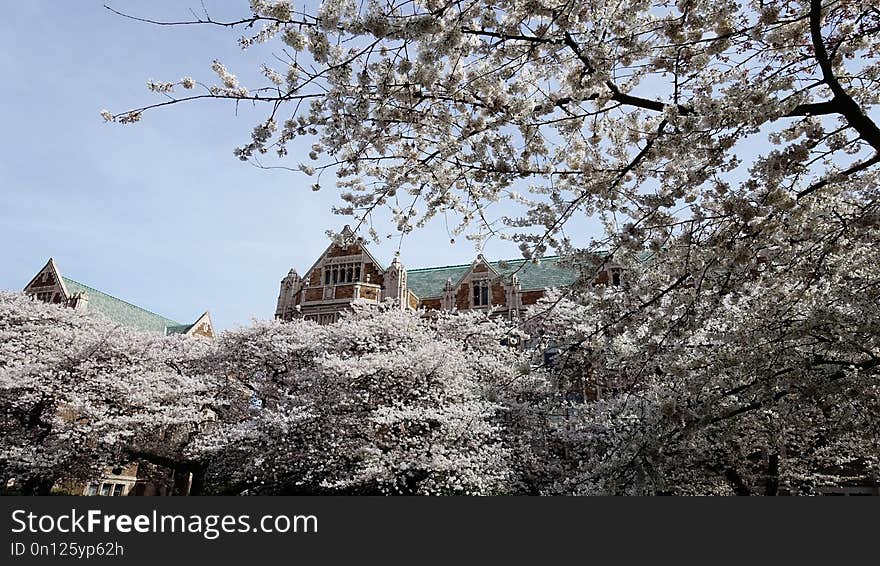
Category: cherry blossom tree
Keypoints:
(632, 111)
(378, 403)
(730, 151)
(80, 394)
(758, 375)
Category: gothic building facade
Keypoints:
(347, 272)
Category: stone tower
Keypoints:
(514, 296)
(290, 286)
(447, 299)
(395, 283)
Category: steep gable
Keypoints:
(345, 273)
(48, 285)
(203, 326)
(337, 253)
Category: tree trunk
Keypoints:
(37, 486)
(197, 487)
(733, 478)
(181, 481)
(772, 475)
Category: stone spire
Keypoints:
(395, 283)
(514, 295)
(447, 300)
(290, 285)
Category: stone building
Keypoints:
(346, 273)
(50, 286)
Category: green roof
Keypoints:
(548, 273)
(125, 313)
(179, 329)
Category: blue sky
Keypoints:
(159, 213)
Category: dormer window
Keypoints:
(480, 293)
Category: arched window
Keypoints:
(481, 293)
(342, 273)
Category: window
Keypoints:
(481, 293)
(342, 273)
(45, 296)
(615, 277)
(106, 489)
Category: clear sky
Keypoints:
(159, 213)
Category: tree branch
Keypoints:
(208, 21)
(848, 107)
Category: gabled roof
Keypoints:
(429, 281)
(347, 232)
(52, 267)
(123, 312)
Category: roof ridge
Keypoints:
(90, 288)
(522, 259)
(423, 269)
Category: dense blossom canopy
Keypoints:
(79, 393)
(730, 150)
(385, 402)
